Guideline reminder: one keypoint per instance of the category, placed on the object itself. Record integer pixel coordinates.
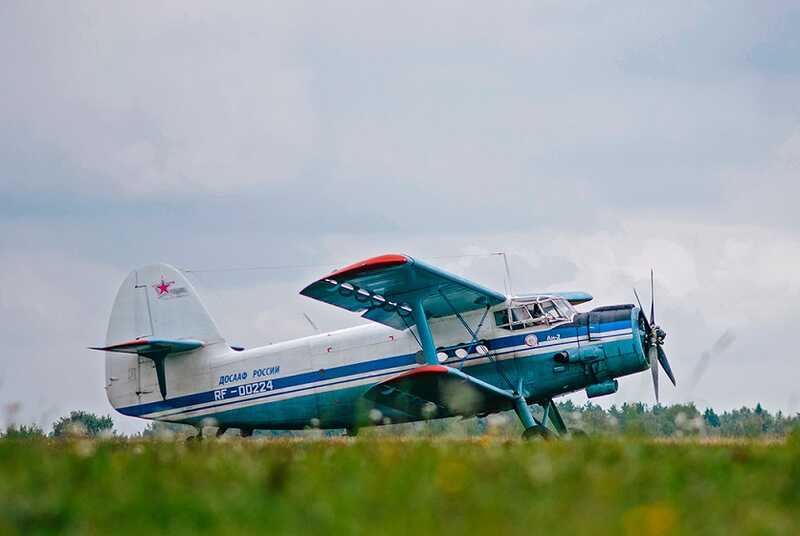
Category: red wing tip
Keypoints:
(374, 263)
(425, 369)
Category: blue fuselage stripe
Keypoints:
(314, 377)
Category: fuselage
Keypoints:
(319, 380)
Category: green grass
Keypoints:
(392, 486)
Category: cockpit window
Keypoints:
(550, 309)
(520, 318)
(542, 311)
(521, 314)
(537, 314)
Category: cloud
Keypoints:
(634, 108)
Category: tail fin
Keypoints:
(156, 314)
(157, 301)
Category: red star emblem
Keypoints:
(163, 287)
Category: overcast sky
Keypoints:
(589, 140)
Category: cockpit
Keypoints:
(540, 311)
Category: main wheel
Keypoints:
(537, 431)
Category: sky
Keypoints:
(590, 141)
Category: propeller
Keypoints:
(655, 340)
(720, 345)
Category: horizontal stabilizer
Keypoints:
(156, 350)
(153, 346)
(435, 391)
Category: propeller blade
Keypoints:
(652, 353)
(652, 300)
(719, 346)
(638, 300)
(662, 358)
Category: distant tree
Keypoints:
(711, 418)
(744, 422)
(83, 423)
(594, 419)
(30, 431)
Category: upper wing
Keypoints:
(385, 286)
(439, 391)
(575, 297)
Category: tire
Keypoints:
(537, 432)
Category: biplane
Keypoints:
(437, 346)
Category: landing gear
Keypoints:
(221, 430)
(534, 428)
(197, 437)
(537, 431)
(246, 432)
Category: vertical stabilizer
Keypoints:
(157, 324)
(158, 301)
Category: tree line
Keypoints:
(677, 420)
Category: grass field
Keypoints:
(392, 486)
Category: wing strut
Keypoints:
(425, 337)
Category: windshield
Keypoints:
(565, 308)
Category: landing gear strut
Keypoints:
(533, 427)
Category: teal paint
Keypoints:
(424, 330)
(608, 387)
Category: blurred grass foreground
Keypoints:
(621, 485)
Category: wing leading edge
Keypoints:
(386, 288)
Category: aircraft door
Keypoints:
(329, 353)
(594, 325)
